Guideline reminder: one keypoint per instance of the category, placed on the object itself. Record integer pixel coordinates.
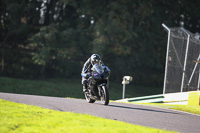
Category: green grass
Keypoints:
(185, 108)
(15, 117)
(57, 88)
(73, 88)
(66, 88)
(190, 109)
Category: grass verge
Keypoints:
(185, 108)
(66, 88)
(15, 117)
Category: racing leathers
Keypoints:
(86, 71)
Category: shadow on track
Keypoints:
(125, 107)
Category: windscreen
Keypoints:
(98, 68)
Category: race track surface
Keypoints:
(134, 114)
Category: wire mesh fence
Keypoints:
(182, 66)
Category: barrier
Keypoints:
(181, 98)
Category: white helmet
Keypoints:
(95, 58)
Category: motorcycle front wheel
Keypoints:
(105, 95)
(88, 98)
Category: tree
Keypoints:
(54, 38)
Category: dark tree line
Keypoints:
(53, 38)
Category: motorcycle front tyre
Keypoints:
(88, 98)
(105, 95)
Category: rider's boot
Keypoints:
(84, 88)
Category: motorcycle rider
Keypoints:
(86, 71)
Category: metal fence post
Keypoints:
(167, 56)
(194, 71)
(186, 54)
(198, 81)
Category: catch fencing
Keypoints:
(182, 68)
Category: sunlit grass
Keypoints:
(185, 108)
(188, 108)
(15, 117)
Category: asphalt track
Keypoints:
(134, 114)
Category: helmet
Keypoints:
(95, 58)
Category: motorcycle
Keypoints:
(97, 87)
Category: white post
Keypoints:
(167, 56)
(193, 70)
(198, 81)
(186, 54)
(126, 80)
(123, 96)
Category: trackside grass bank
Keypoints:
(67, 88)
(185, 108)
(15, 117)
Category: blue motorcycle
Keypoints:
(97, 87)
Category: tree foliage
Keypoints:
(47, 38)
